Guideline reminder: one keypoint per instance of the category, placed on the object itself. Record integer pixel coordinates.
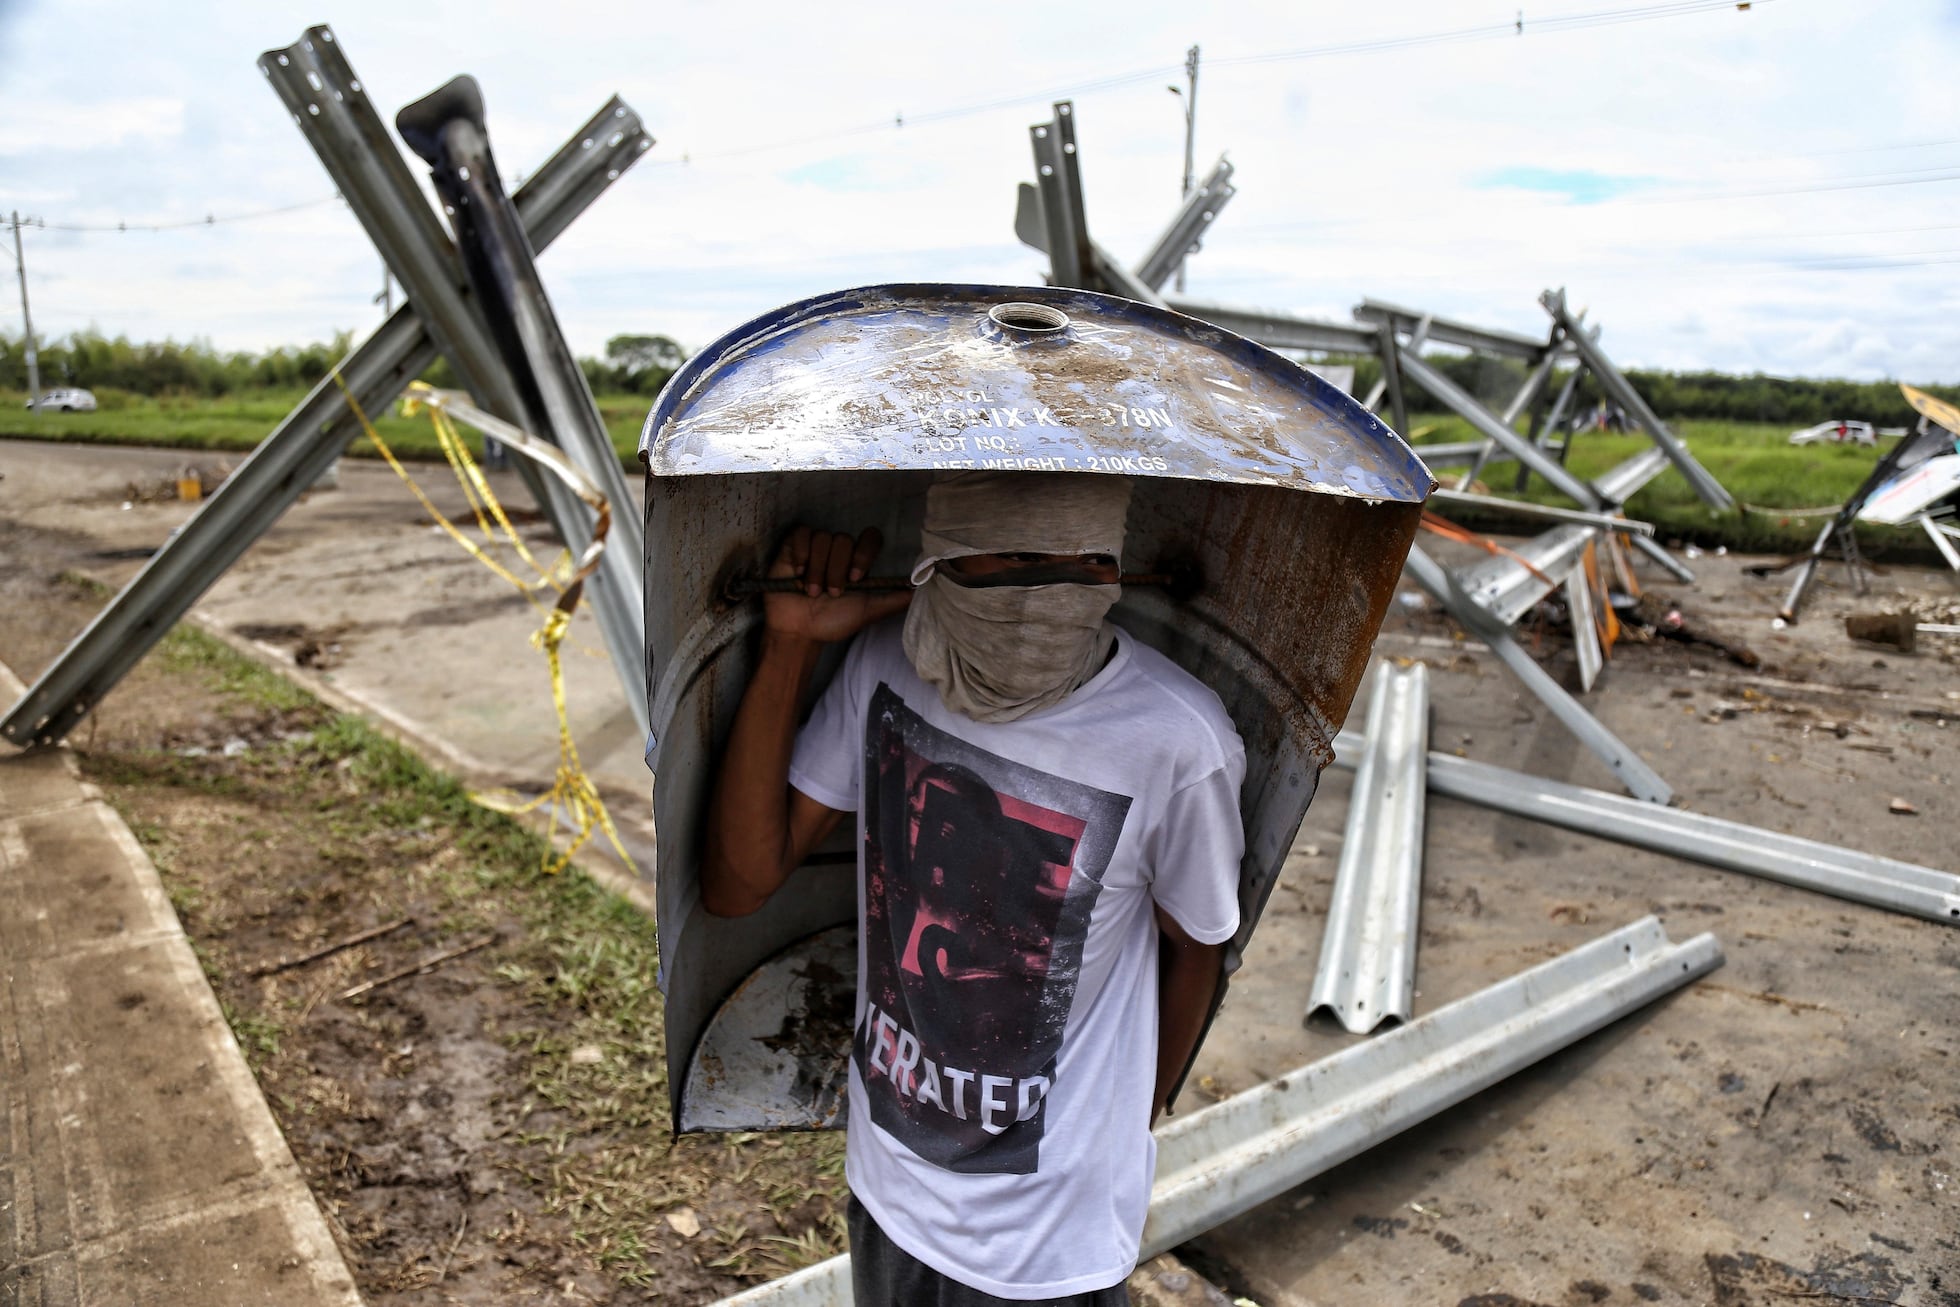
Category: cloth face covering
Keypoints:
(996, 651)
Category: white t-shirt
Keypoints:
(1004, 1058)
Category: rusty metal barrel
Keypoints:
(1289, 505)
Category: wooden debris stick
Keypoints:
(426, 964)
(287, 964)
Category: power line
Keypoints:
(1515, 28)
(208, 220)
(1520, 26)
(1491, 31)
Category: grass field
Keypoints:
(237, 423)
(1754, 461)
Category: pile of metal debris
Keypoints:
(476, 301)
(1224, 1159)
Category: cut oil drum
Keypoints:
(1286, 505)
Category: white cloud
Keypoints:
(73, 127)
(1365, 175)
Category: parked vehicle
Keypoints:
(69, 400)
(1836, 432)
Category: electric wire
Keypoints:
(1521, 26)
(208, 220)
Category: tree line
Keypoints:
(637, 364)
(1714, 396)
(640, 364)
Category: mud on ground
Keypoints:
(492, 1131)
(1785, 1131)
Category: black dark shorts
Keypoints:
(885, 1275)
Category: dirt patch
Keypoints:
(494, 1129)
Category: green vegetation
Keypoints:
(1754, 461)
(236, 423)
(334, 811)
(1680, 396)
(1737, 426)
(122, 370)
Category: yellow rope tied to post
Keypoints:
(572, 798)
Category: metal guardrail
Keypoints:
(291, 459)
(1415, 368)
(1228, 1158)
(1614, 383)
(337, 116)
(1367, 969)
(1194, 218)
(1524, 508)
(1507, 586)
(1809, 864)
(1641, 780)
(1445, 331)
(447, 129)
(1277, 330)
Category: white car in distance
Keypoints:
(69, 400)
(1836, 432)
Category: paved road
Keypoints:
(138, 1160)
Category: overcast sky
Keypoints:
(1763, 190)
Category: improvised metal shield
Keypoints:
(1290, 505)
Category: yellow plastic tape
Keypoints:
(572, 798)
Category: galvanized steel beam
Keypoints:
(1642, 781)
(1194, 218)
(338, 119)
(292, 457)
(1220, 1162)
(1277, 330)
(1668, 562)
(448, 130)
(1507, 585)
(1446, 331)
(1615, 384)
(1391, 381)
(1232, 1156)
(1059, 184)
(1051, 217)
(1697, 837)
(1453, 397)
(1586, 646)
(1367, 970)
(1528, 393)
(1609, 521)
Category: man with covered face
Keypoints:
(1049, 845)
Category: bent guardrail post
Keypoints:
(286, 463)
(1851, 874)
(338, 119)
(1367, 968)
(1228, 1158)
(1642, 781)
(1194, 218)
(447, 129)
(1278, 330)
(1415, 368)
(1528, 394)
(1075, 260)
(1614, 383)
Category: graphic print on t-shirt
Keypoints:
(980, 874)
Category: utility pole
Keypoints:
(1190, 98)
(27, 324)
(386, 299)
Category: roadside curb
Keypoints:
(140, 1158)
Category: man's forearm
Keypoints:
(1187, 984)
(748, 840)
